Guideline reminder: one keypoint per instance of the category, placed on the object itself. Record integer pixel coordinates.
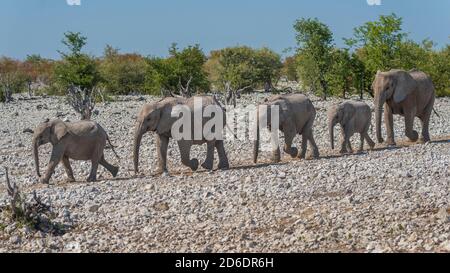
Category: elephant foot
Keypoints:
(224, 165)
(114, 171)
(342, 152)
(208, 165)
(424, 140)
(414, 137)
(91, 179)
(276, 157)
(293, 152)
(315, 155)
(194, 164)
(302, 155)
(390, 142)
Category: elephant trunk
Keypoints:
(331, 130)
(378, 112)
(36, 156)
(137, 145)
(256, 141)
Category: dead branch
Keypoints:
(232, 94)
(82, 100)
(14, 194)
(167, 93)
(35, 214)
(185, 90)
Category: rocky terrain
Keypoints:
(392, 199)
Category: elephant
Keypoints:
(81, 140)
(296, 116)
(354, 117)
(157, 117)
(407, 93)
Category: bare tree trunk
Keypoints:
(82, 101)
(185, 91)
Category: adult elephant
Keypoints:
(158, 117)
(296, 116)
(407, 93)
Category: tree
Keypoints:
(77, 73)
(176, 71)
(267, 67)
(315, 44)
(440, 71)
(381, 41)
(240, 67)
(123, 73)
(12, 79)
(340, 75)
(289, 69)
(37, 70)
(236, 67)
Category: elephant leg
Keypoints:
(312, 142)
(112, 169)
(389, 122)
(425, 121)
(209, 161)
(276, 155)
(93, 174)
(343, 143)
(361, 142)
(68, 168)
(369, 140)
(185, 151)
(162, 143)
(55, 158)
(288, 138)
(409, 126)
(425, 129)
(349, 145)
(223, 159)
(304, 146)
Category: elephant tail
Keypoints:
(112, 147)
(434, 110)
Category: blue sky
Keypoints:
(150, 26)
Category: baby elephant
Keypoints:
(82, 140)
(354, 117)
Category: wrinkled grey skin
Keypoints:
(82, 140)
(297, 115)
(156, 117)
(354, 117)
(407, 93)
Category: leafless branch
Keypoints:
(185, 91)
(232, 94)
(82, 100)
(35, 214)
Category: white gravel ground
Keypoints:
(390, 199)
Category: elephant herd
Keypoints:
(407, 93)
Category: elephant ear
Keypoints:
(405, 85)
(283, 110)
(60, 130)
(165, 119)
(348, 111)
